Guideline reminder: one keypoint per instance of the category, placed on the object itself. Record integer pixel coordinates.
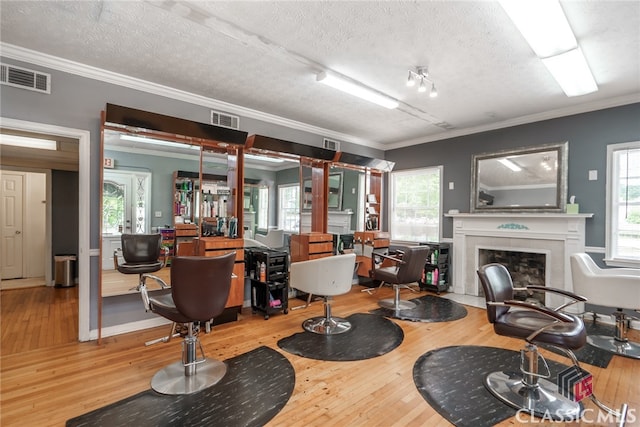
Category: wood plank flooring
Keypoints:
(46, 385)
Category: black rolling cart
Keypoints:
(270, 295)
(269, 298)
(436, 270)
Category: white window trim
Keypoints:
(440, 169)
(609, 259)
(280, 217)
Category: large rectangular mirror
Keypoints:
(531, 179)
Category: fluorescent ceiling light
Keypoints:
(508, 163)
(263, 158)
(158, 142)
(543, 24)
(545, 27)
(27, 142)
(572, 72)
(356, 89)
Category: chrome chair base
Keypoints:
(396, 303)
(326, 326)
(172, 379)
(615, 346)
(542, 400)
(393, 304)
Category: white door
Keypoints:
(11, 208)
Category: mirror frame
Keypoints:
(562, 150)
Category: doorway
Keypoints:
(81, 139)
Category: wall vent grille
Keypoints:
(330, 144)
(225, 120)
(24, 78)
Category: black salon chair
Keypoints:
(142, 256)
(407, 270)
(528, 389)
(199, 291)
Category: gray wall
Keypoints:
(588, 135)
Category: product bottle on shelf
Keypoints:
(263, 272)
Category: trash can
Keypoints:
(65, 269)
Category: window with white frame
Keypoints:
(289, 207)
(623, 204)
(416, 205)
(263, 207)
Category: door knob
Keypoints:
(18, 232)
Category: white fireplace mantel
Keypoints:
(555, 235)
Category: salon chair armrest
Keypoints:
(115, 259)
(394, 259)
(574, 297)
(540, 309)
(578, 298)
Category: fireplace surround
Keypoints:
(556, 236)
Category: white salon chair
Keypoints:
(326, 277)
(273, 239)
(618, 288)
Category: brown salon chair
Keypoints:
(529, 390)
(199, 291)
(142, 256)
(407, 269)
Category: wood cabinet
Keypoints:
(216, 246)
(306, 246)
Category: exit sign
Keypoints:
(108, 163)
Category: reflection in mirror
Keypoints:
(530, 179)
(138, 196)
(351, 198)
(275, 178)
(216, 213)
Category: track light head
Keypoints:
(411, 81)
(434, 92)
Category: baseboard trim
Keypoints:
(134, 326)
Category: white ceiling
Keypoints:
(264, 56)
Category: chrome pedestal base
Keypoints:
(615, 346)
(396, 303)
(326, 326)
(172, 379)
(543, 400)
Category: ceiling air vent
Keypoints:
(330, 144)
(225, 120)
(24, 78)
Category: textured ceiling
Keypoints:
(264, 56)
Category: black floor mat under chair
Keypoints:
(428, 308)
(256, 387)
(450, 379)
(370, 336)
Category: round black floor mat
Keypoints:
(428, 309)
(451, 380)
(370, 336)
(256, 387)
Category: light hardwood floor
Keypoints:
(48, 384)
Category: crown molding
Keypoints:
(49, 61)
(532, 118)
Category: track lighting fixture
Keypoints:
(421, 74)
